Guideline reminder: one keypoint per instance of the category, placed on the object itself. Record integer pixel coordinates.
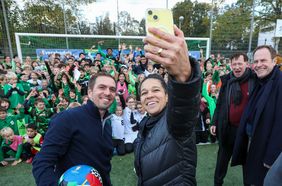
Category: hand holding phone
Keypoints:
(167, 46)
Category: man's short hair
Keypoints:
(271, 50)
(93, 78)
(2, 109)
(39, 100)
(131, 97)
(81, 53)
(31, 126)
(237, 55)
(5, 100)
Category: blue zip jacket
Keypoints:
(78, 136)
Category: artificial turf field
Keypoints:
(123, 175)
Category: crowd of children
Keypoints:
(32, 91)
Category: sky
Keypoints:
(136, 8)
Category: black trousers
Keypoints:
(129, 147)
(119, 145)
(7, 151)
(224, 155)
(26, 154)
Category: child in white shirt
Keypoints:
(118, 131)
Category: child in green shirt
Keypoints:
(9, 121)
(14, 90)
(75, 95)
(24, 83)
(40, 114)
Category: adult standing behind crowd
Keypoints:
(258, 141)
(233, 98)
(81, 135)
(165, 152)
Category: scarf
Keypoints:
(233, 86)
(258, 100)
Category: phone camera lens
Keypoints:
(150, 12)
(155, 17)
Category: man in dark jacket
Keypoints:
(232, 99)
(79, 136)
(258, 142)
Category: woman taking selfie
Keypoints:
(165, 152)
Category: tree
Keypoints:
(103, 26)
(12, 13)
(269, 11)
(127, 24)
(196, 20)
(142, 27)
(231, 29)
(45, 17)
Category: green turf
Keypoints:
(122, 171)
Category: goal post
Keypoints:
(29, 44)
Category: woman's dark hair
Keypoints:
(124, 78)
(154, 76)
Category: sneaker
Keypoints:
(29, 160)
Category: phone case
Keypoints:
(159, 18)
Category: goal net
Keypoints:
(38, 45)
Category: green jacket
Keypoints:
(25, 85)
(11, 121)
(41, 118)
(15, 95)
(211, 101)
(21, 123)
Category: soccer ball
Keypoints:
(81, 175)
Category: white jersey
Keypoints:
(140, 116)
(117, 127)
(130, 135)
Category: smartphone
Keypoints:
(159, 18)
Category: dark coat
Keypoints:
(274, 175)
(221, 113)
(265, 145)
(165, 152)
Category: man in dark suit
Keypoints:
(258, 142)
(232, 99)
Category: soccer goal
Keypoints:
(38, 45)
